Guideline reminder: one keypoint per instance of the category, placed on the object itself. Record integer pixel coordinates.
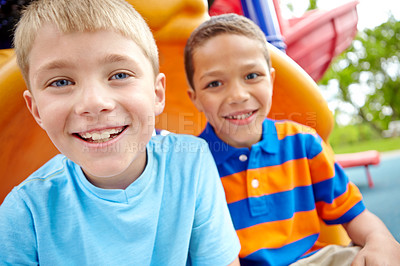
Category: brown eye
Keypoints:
(251, 76)
(214, 84)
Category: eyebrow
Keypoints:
(215, 73)
(65, 63)
(57, 64)
(211, 73)
(115, 58)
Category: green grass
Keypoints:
(380, 145)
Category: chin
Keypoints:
(104, 169)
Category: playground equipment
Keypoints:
(311, 40)
(365, 158)
(25, 146)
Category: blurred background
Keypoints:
(362, 88)
(362, 84)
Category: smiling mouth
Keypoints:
(102, 135)
(240, 117)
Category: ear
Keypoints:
(193, 97)
(160, 93)
(32, 106)
(272, 76)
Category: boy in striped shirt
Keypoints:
(279, 177)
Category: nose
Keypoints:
(93, 100)
(238, 93)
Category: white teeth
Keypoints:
(100, 135)
(240, 117)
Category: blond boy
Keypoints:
(115, 196)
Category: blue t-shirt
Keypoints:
(175, 213)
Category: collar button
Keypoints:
(243, 158)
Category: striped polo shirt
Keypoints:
(278, 190)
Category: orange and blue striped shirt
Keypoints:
(278, 191)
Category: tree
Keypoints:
(370, 68)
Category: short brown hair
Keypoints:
(217, 25)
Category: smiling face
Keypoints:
(233, 87)
(96, 96)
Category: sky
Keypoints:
(371, 13)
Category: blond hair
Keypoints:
(217, 25)
(80, 16)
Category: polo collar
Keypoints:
(222, 151)
(269, 141)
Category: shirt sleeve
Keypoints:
(337, 199)
(17, 234)
(214, 240)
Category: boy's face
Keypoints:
(96, 96)
(233, 87)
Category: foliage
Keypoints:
(371, 62)
(381, 145)
(312, 5)
(350, 135)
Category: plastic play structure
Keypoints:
(365, 158)
(311, 40)
(25, 146)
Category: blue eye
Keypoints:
(120, 76)
(252, 76)
(214, 84)
(61, 83)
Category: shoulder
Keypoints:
(298, 136)
(178, 143)
(287, 127)
(54, 168)
(48, 182)
(178, 153)
(53, 173)
(174, 137)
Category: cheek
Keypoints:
(210, 103)
(139, 107)
(267, 96)
(53, 122)
(210, 109)
(52, 114)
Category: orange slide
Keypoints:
(25, 146)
